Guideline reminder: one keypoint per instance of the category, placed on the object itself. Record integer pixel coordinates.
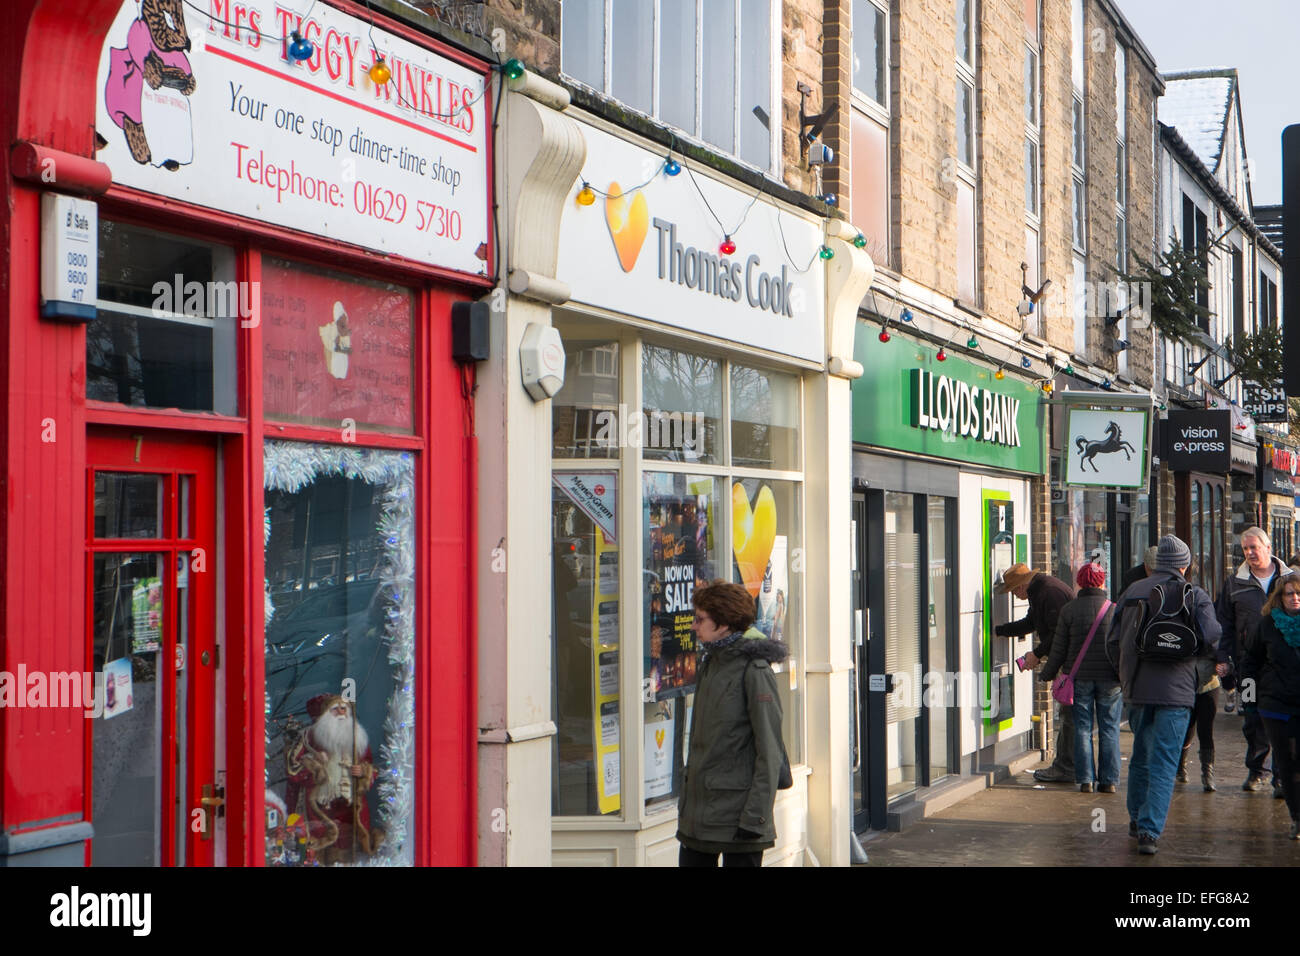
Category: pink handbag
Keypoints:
(1063, 684)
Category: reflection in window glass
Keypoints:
(942, 584)
(765, 545)
(764, 418)
(585, 412)
(755, 83)
(869, 50)
(633, 39)
(169, 310)
(683, 405)
(681, 542)
(340, 606)
(128, 612)
(582, 29)
(128, 506)
(586, 772)
(965, 123)
(677, 63)
(718, 90)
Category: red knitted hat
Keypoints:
(1090, 575)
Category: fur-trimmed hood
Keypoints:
(755, 644)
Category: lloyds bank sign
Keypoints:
(947, 405)
(957, 410)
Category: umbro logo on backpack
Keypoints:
(1169, 632)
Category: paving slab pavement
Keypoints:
(1020, 822)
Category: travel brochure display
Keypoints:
(604, 647)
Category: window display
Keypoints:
(340, 655)
(336, 348)
(680, 555)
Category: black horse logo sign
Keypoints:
(1089, 450)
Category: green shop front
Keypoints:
(948, 460)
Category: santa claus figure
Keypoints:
(331, 767)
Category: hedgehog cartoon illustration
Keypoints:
(149, 84)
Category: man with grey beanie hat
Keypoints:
(1160, 693)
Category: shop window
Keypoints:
(681, 541)
(168, 315)
(336, 348)
(764, 419)
(682, 407)
(585, 421)
(712, 507)
(586, 769)
(340, 655)
(767, 558)
(1082, 528)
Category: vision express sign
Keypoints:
(1199, 441)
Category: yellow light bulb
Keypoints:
(586, 196)
(380, 73)
(999, 375)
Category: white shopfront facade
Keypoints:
(693, 439)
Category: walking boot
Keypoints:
(1207, 771)
(1182, 764)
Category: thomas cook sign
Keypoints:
(652, 248)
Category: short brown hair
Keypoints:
(728, 604)
(1279, 588)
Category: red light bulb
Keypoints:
(728, 247)
(942, 356)
(883, 336)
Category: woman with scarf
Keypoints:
(736, 756)
(1272, 661)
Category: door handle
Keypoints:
(213, 802)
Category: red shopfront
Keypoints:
(239, 500)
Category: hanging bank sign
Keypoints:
(650, 246)
(908, 401)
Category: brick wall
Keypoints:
(1056, 322)
(923, 143)
(1001, 126)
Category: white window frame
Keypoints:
(968, 75)
(772, 106)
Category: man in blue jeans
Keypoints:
(1160, 693)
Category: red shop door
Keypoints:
(151, 632)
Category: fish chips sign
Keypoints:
(203, 102)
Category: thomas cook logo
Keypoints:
(628, 221)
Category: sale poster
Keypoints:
(677, 562)
(336, 349)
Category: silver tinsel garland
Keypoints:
(290, 467)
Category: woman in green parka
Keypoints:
(729, 784)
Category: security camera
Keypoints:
(1026, 307)
(819, 154)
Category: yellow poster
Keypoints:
(604, 658)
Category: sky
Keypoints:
(1259, 38)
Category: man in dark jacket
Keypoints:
(1138, 572)
(1046, 596)
(1240, 603)
(1160, 693)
